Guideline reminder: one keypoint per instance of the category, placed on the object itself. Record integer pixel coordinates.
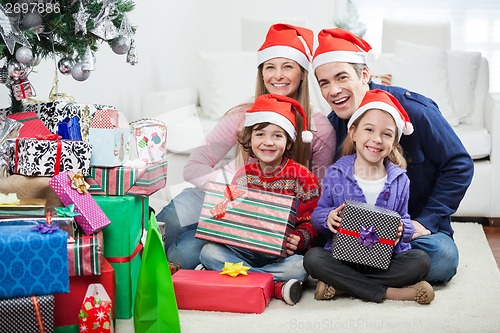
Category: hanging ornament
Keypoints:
(78, 73)
(4, 75)
(32, 20)
(81, 18)
(24, 55)
(88, 60)
(16, 69)
(132, 54)
(103, 23)
(126, 28)
(35, 61)
(9, 29)
(65, 64)
(22, 89)
(120, 45)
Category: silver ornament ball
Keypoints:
(120, 45)
(24, 55)
(78, 73)
(65, 64)
(31, 20)
(15, 68)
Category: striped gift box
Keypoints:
(127, 180)
(85, 253)
(256, 220)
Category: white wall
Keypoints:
(168, 35)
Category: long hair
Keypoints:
(395, 156)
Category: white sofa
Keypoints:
(458, 81)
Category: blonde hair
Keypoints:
(395, 156)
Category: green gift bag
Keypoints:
(155, 308)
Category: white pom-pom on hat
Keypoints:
(307, 136)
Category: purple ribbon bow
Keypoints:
(45, 228)
(368, 237)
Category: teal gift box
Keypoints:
(129, 215)
(32, 263)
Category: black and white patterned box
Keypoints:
(366, 235)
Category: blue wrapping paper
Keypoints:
(32, 263)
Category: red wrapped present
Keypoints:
(72, 189)
(247, 218)
(22, 89)
(95, 313)
(212, 291)
(67, 306)
(85, 254)
(173, 267)
(367, 234)
(32, 125)
(27, 314)
(127, 180)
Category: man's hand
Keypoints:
(334, 220)
(420, 230)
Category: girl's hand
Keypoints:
(334, 220)
(292, 243)
(400, 232)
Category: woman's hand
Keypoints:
(334, 220)
(292, 243)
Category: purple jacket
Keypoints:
(339, 184)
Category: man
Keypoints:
(439, 167)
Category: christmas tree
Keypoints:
(69, 31)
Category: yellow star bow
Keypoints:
(234, 269)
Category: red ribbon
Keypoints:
(231, 192)
(357, 234)
(55, 137)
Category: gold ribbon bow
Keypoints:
(78, 183)
(234, 270)
(231, 192)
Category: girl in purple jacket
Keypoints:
(372, 170)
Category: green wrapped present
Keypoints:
(122, 245)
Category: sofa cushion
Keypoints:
(477, 140)
(424, 69)
(226, 80)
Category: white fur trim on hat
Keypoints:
(253, 118)
(339, 56)
(306, 136)
(400, 124)
(283, 52)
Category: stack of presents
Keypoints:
(75, 181)
(94, 172)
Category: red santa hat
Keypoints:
(382, 100)
(339, 45)
(287, 41)
(278, 110)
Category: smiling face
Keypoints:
(268, 144)
(282, 76)
(375, 136)
(342, 87)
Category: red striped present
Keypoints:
(127, 180)
(256, 220)
(85, 254)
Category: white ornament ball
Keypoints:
(120, 45)
(78, 73)
(65, 64)
(24, 55)
(15, 68)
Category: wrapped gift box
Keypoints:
(211, 291)
(367, 235)
(92, 218)
(30, 187)
(64, 223)
(67, 306)
(32, 125)
(85, 253)
(150, 139)
(24, 208)
(109, 135)
(122, 245)
(35, 157)
(53, 113)
(32, 263)
(27, 314)
(127, 180)
(256, 220)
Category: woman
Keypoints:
(283, 63)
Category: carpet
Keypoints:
(469, 303)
